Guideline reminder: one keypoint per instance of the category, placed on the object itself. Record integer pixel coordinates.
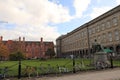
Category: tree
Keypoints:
(16, 56)
(50, 53)
(4, 52)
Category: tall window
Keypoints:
(91, 41)
(90, 31)
(93, 30)
(110, 36)
(117, 35)
(79, 35)
(103, 26)
(98, 28)
(115, 21)
(104, 37)
(85, 33)
(99, 39)
(108, 24)
(82, 34)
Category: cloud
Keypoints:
(31, 33)
(39, 11)
(31, 18)
(80, 6)
(118, 2)
(97, 11)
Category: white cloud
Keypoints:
(31, 33)
(97, 11)
(118, 2)
(39, 11)
(80, 6)
(36, 14)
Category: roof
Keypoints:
(35, 42)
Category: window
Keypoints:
(79, 35)
(91, 41)
(104, 37)
(27, 49)
(110, 36)
(82, 34)
(90, 31)
(98, 28)
(93, 30)
(108, 24)
(85, 33)
(115, 21)
(116, 35)
(99, 38)
(80, 42)
(86, 42)
(94, 38)
(102, 26)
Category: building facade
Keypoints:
(105, 29)
(31, 49)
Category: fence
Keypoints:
(10, 69)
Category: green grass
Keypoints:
(13, 65)
(116, 63)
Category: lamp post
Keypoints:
(19, 69)
(17, 48)
(19, 57)
(19, 65)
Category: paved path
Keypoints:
(113, 74)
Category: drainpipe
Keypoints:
(88, 42)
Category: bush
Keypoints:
(16, 56)
(50, 53)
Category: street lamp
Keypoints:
(17, 48)
(19, 69)
(19, 65)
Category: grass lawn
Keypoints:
(54, 63)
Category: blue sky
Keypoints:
(49, 19)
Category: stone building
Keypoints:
(105, 29)
(31, 49)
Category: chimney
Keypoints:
(1, 38)
(19, 38)
(41, 39)
(23, 38)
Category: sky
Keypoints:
(49, 19)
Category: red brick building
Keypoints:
(31, 49)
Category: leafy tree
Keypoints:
(16, 56)
(50, 53)
(3, 51)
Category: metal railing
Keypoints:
(48, 69)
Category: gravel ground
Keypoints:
(113, 74)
